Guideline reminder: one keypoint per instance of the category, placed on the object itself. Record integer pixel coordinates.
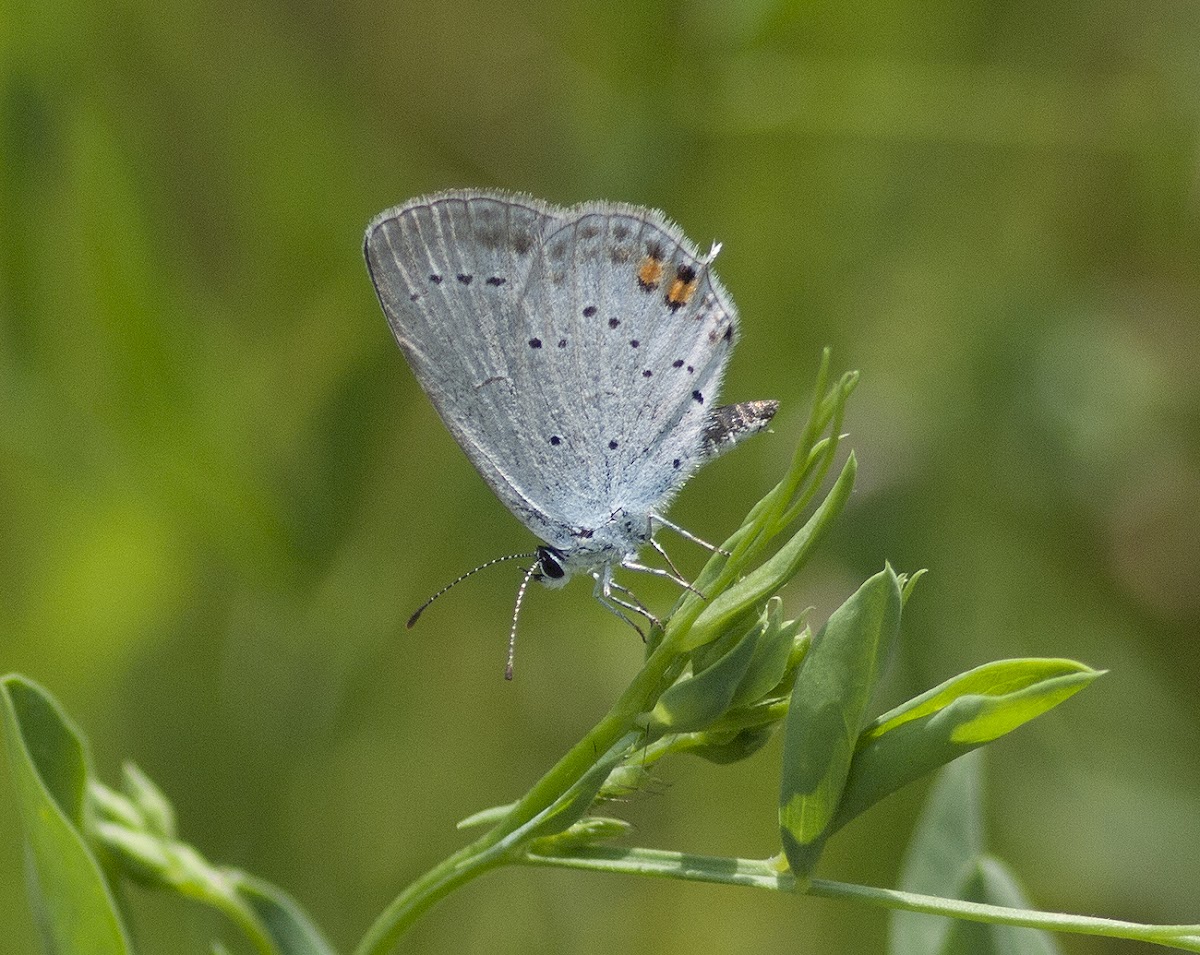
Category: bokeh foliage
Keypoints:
(221, 492)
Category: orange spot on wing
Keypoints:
(650, 273)
(679, 292)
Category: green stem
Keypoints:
(663, 864)
(468, 863)
(636, 699)
(764, 874)
(1185, 937)
(496, 847)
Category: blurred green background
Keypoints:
(222, 492)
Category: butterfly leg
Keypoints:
(635, 605)
(667, 557)
(659, 572)
(688, 535)
(603, 593)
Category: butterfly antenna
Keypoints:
(412, 621)
(512, 634)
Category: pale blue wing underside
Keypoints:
(574, 354)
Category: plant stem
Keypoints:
(468, 863)
(763, 874)
(492, 850)
(664, 864)
(635, 700)
(1186, 937)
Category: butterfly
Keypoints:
(575, 354)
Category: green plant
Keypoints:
(720, 676)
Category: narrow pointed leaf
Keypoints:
(485, 817)
(588, 831)
(967, 711)
(288, 925)
(769, 577)
(156, 810)
(75, 909)
(770, 661)
(827, 710)
(693, 703)
(573, 804)
(941, 857)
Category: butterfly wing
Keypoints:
(574, 354)
(648, 332)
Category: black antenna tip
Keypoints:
(412, 621)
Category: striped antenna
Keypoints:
(412, 621)
(512, 634)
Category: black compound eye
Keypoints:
(550, 563)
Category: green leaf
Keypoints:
(947, 858)
(573, 804)
(588, 831)
(737, 747)
(967, 711)
(485, 817)
(771, 656)
(76, 912)
(727, 570)
(694, 702)
(158, 815)
(705, 656)
(769, 577)
(288, 925)
(828, 706)
(941, 857)
(910, 585)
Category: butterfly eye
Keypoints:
(550, 563)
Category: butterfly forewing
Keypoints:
(451, 274)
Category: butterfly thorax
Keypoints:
(588, 549)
